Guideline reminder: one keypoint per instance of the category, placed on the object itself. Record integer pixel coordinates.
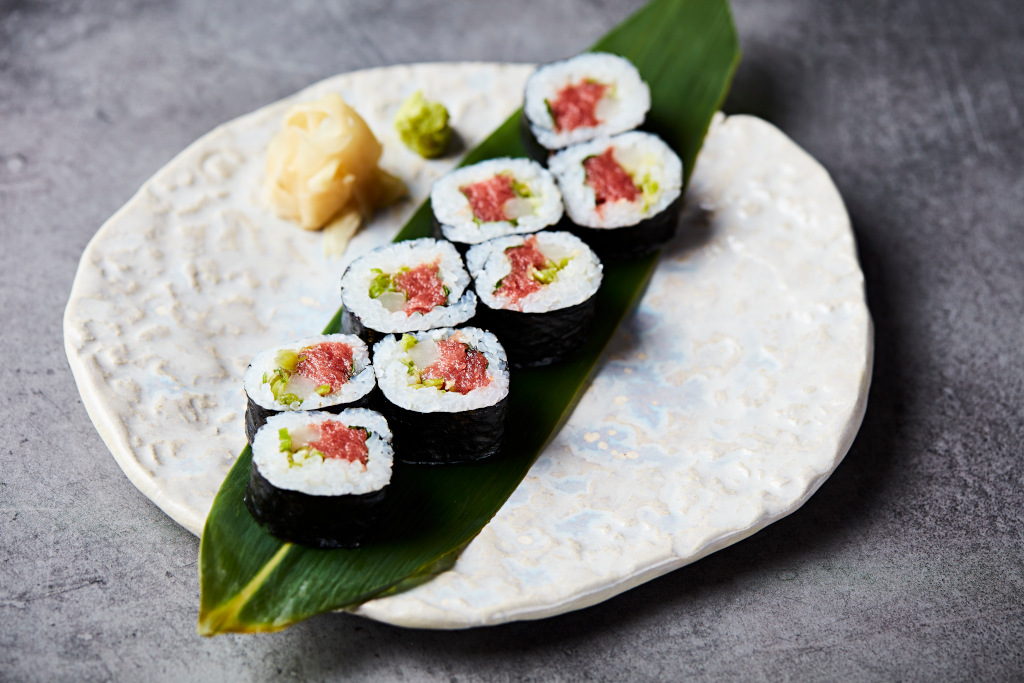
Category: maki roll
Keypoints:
(494, 198)
(319, 479)
(537, 294)
(327, 372)
(447, 394)
(622, 194)
(595, 94)
(405, 287)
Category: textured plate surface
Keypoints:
(723, 404)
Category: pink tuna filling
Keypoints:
(576, 105)
(338, 441)
(609, 180)
(327, 363)
(487, 198)
(422, 287)
(462, 368)
(525, 260)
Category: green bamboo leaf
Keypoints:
(687, 50)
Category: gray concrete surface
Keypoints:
(907, 565)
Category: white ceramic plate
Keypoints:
(722, 405)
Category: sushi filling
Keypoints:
(313, 443)
(410, 285)
(536, 273)
(442, 370)
(578, 105)
(614, 182)
(410, 290)
(610, 182)
(322, 368)
(446, 365)
(499, 198)
(531, 270)
(316, 373)
(322, 454)
(495, 198)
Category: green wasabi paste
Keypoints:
(423, 126)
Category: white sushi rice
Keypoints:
(330, 476)
(641, 155)
(399, 386)
(355, 286)
(455, 215)
(265, 362)
(622, 108)
(575, 283)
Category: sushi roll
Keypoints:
(327, 372)
(319, 479)
(537, 294)
(595, 94)
(622, 194)
(494, 198)
(446, 394)
(405, 287)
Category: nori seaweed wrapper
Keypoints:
(631, 241)
(534, 149)
(256, 415)
(437, 233)
(442, 438)
(536, 339)
(316, 521)
(352, 324)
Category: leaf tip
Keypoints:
(212, 622)
(215, 622)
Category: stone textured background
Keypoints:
(907, 564)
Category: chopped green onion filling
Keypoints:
(408, 341)
(300, 456)
(437, 382)
(520, 188)
(288, 360)
(547, 275)
(278, 382)
(323, 389)
(551, 111)
(649, 190)
(384, 282)
(410, 367)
